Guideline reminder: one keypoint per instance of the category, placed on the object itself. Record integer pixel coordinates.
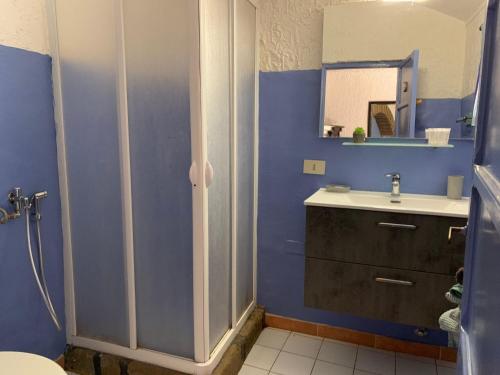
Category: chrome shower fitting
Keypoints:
(19, 203)
(31, 206)
(4, 218)
(35, 203)
(16, 199)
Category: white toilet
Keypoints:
(18, 363)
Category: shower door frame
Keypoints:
(201, 267)
(204, 359)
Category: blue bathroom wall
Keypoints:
(289, 117)
(443, 113)
(438, 113)
(467, 104)
(28, 159)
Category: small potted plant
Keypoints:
(359, 135)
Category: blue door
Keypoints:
(406, 103)
(480, 326)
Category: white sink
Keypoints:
(376, 201)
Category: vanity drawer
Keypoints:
(406, 241)
(401, 296)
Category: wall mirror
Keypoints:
(398, 68)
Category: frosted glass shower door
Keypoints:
(158, 154)
(157, 57)
(218, 129)
(88, 69)
(244, 117)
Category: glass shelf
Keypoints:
(383, 144)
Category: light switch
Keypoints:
(314, 167)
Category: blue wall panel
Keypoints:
(289, 115)
(438, 113)
(28, 159)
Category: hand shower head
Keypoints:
(36, 197)
(40, 195)
(35, 202)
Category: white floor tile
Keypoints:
(407, 366)
(273, 338)
(376, 361)
(303, 344)
(288, 353)
(446, 364)
(262, 357)
(446, 371)
(326, 368)
(338, 352)
(248, 370)
(292, 364)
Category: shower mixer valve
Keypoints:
(19, 202)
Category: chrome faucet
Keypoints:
(396, 183)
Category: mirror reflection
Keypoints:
(396, 69)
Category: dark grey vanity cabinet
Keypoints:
(381, 265)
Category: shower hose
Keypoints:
(39, 276)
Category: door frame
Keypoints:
(201, 250)
(415, 57)
(485, 184)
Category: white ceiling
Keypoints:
(462, 9)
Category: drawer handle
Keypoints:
(394, 281)
(399, 226)
(462, 230)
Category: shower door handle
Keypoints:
(209, 173)
(193, 174)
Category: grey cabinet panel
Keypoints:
(350, 235)
(352, 289)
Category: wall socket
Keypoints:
(314, 167)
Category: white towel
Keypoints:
(449, 321)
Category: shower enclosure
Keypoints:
(156, 108)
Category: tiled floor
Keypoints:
(279, 352)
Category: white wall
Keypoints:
(363, 86)
(349, 36)
(292, 32)
(473, 42)
(23, 24)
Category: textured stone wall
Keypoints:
(23, 24)
(291, 37)
(291, 33)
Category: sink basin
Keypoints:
(377, 201)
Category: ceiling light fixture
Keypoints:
(403, 1)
